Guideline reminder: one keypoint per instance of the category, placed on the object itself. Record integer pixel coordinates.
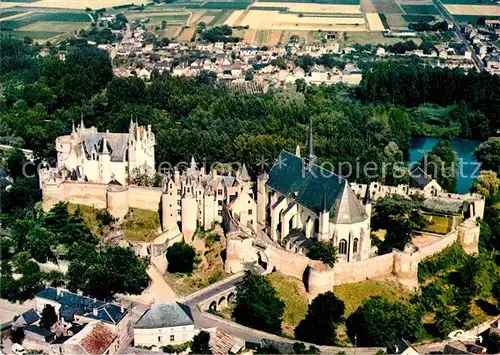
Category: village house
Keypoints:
(164, 324)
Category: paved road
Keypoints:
(478, 63)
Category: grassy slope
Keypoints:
(293, 293)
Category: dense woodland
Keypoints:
(41, 97)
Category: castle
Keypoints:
(88, 155)
(294, 205)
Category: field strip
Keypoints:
(484, 10)
(374, 22)
(312, 7)
(196, 15)
(54, 26)
(242, 16)
(315, 27)
(233, 17)
(73, 4)
(16, 16)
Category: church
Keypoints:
(89, 155)
(299, 202)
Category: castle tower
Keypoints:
(189, 211)
(104, 162)
(324, 220)
(168, 205)
(262, 198)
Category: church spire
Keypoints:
(82, 126)
(311, 158)
(310, 142)
(105, 149)
(73, 130)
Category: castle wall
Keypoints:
(118, 200)
(363, 270)
(438, 246)
(146, 198)
(287, 262)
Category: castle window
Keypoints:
(220, 213)
(219, 202)
(172, 337)
(178, 192)
(219, 192)
(178, 202)
(355, 245)
(343, 247)
(249, 212)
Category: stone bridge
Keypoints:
(216, 296)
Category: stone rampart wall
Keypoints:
(438, 246)
(146, 198)
(363, 270)
(94, 195)
(286, 262)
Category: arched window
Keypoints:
(343, 247)
(355, 245)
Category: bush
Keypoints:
(449, 259)
(324, 251)
(180, 257)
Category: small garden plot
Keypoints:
(420, 9)
(438, 224)
(386, 7)
(141, 225)
(222, 17)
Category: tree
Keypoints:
(49, 317)
(323, 316)
(201, 343)
(487, 184)
(496, 292)
(442, 164)
(257, 304)
(379, 321)
(164, 25)
(16, 335)
(180, 257)
(324, 251)
(300, 348)
(488, 154)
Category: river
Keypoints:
(463, 147)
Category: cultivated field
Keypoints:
(481, 10)
(43, 25)
(308, 8)
(73, 4)
(374, 22)
(420, 9)
(186, 34)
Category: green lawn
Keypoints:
(141, 225)
(419, 18)
(438, 224)
(293, 293)
(31, 34)
(355, 294)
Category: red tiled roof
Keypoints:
(98, 340)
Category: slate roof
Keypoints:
(117, 143)
(297, 238)
(73, 304)
(316, 189)
(445, 205)
(419, 178)
(164, 315)
(38, 330)
(28, 317)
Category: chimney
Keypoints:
(214, 173)
(122, 309)
(94, 312)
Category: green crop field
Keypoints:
(212, 5)
(332, 2)
(31, 34)
(473, 18)
(419, 18)
(469, 2)
(9, 13)
(420, 9)
(46, 17)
